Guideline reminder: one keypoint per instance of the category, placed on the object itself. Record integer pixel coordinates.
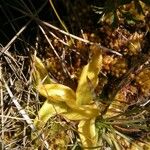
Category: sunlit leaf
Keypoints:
(58, 93)
(40, 73)
(47, 111)
(89, 78)
(64, 101)
(37, 77)
(82, 113)
(87, 133)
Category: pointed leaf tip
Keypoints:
(89, 78)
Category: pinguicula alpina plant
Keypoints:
(73, 105)
(99, 125)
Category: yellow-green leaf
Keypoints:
(87, 133)
(40, 72)
(37, 77)
(64, 101)
(89, 78)
(58, 93)
(47, 111)
(82, 113)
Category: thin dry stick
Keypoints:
(10, 117)
(8, 58)
(29, 91)
(49, 42)
(22, 29)
(80, 39)
(66, 33)
(63, 64)
(61, 22)
(60, 40)
(15, 68)
(23, 112)
(6, 48)
(2, 110)
(18, 106)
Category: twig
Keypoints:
(10, 117)
(66, 33)
(61, 22)
(78, 38)
(61, 41)
(18, 106)
(6, 48)
(63, 64)
(49, 42)
(2, 109)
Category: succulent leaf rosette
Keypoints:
(73, 105)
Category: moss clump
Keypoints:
(143, 81)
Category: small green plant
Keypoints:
(99, 125)
(78, 106)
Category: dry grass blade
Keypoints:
(57, 55)
(49, 42)
(18, 106)
(78, 38)
(60, 40)
(2, 110)
(23, 112)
